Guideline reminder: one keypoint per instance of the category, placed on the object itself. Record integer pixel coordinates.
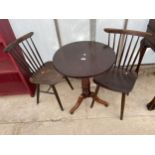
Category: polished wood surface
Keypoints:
(83, 60)
(117, 80)
(122, 76)
(46, 75)
(87, 93)
(129, 32)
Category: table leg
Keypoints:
(98, 100)
(78, 103)
(151, 104)
(85, 82)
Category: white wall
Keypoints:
(101, 36)
(44, 34)
(72, 30)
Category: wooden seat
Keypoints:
(124, 72)
(117, 80)
(26, 55)
(46, 75)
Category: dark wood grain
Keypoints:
(129, 32)
(28, 58)
(99, 58)
(123, 75)
(117, 80)
(86, 92)
(83, 60)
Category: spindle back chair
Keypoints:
(123, 74)
(24, 51)
(28, 58)
(126, 48)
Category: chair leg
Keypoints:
(122, 106)
(38, 93)
(95, 94)
(69, 83)
(57, 97)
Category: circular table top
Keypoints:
(83, 59)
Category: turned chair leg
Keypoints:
(69, 83)
(38, 93)
(95, 94)
(122, 106)
(57, 97)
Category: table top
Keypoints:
(83, 59)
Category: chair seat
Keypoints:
(117, 80)
(46, 75)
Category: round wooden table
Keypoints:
(83, 60)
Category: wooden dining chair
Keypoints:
(26, 55)
(123, 74)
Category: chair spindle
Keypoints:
(133, 51)
(42, 63)
(127, 52)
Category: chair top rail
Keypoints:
(17, 41)
(128, 32)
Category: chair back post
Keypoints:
(25, 53)
(126, 45)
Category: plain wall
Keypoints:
(72, 30)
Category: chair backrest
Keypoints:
(25, 53)
(126, 45)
